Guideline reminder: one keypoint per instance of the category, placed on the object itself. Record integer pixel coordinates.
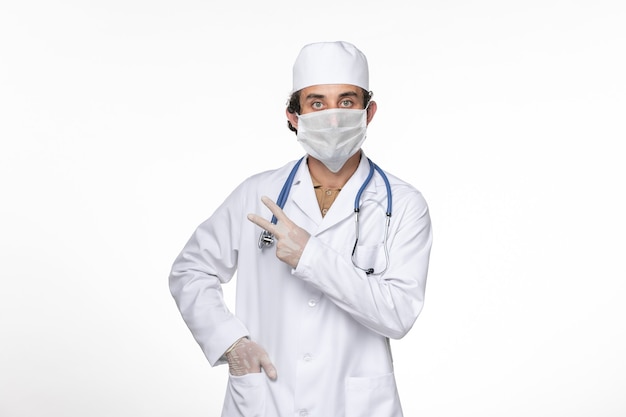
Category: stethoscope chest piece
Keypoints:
(266, 239)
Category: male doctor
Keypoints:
(316, 309)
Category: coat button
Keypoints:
(307, 357)
(312, 302)
(304, 413)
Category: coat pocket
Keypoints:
(366, 257)
(372, 396)
(245, 396)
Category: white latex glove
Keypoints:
(291, 239)
(247, 357)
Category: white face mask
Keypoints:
(332, 136)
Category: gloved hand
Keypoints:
(291, 239)
(246, 357)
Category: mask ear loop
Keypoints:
(369, 99)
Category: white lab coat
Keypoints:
(326, 324)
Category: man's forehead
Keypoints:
(340, 90)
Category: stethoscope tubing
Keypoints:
(284, 192)
(267, 239)
(374, 167)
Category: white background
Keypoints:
(123, 124)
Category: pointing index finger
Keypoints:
(261, 222)
(276, 211)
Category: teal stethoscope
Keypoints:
(266, 238)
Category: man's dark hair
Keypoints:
(293, 105)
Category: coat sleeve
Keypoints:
(208, 260)
(387, 304)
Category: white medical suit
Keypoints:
(326, 324)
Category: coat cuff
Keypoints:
(224, 336)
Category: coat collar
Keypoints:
(303, 196)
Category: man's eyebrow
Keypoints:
(313, 95)
(321, 96)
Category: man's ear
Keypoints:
(371, 111)
(293, 119)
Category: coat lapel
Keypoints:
(303, 196)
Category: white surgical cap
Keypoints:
(330, 63)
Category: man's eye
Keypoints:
(346, 103)
(316, 105)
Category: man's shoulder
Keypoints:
(403, 192)
(271, 174)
